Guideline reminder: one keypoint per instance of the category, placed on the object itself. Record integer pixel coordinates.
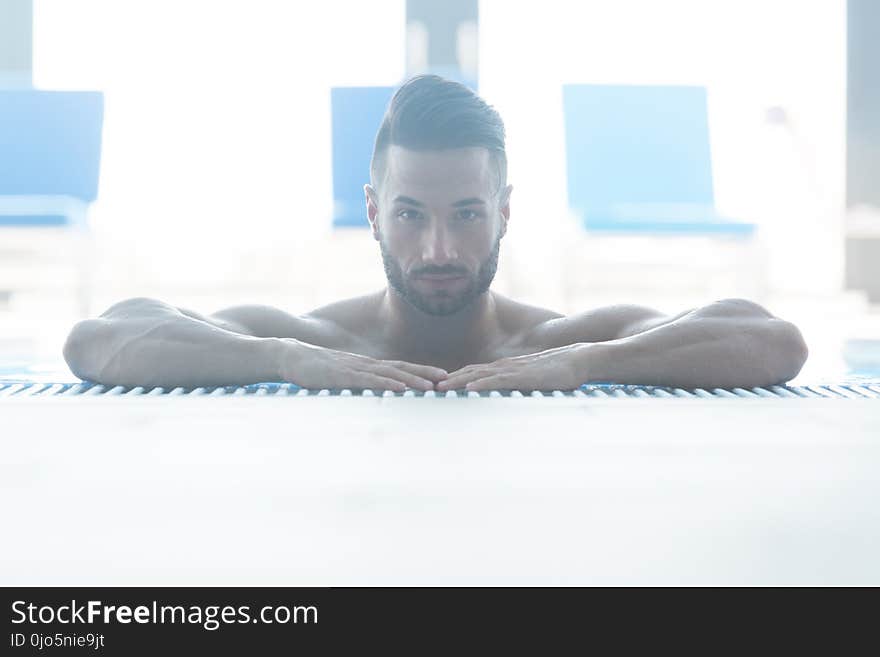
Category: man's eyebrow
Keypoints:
(468, 201)
(409, 201)
(458, 204)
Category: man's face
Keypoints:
(439, 219)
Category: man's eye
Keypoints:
(467, 215)
(409, 215)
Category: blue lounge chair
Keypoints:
(356, 116)
(50, 152)
(638, 160)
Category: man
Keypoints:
(439, 205)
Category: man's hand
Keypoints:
(309, 366)
(554, 369)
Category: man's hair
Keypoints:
(432, 113)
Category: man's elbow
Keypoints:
(92, 349)
(790, 351)
(82, 349)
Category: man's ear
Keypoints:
(505, 208)
(372, 199)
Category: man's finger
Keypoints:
(402, 375)
(424, 371)
(368, 380)
(469, 368)
(463, 378)
(496, 382)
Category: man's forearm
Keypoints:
(179, 352)
(700, 352)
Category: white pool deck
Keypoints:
(263, 490)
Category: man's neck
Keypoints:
(414, 331)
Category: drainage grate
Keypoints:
(44, 390)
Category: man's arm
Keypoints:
(729, 343)
(144, 342)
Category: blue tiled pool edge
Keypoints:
(21, 388)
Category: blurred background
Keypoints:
(664, 153)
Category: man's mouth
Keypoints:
(440, 280)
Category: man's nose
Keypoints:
(438, 247)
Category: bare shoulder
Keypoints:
(328, 326)
(519, 320)
(596, 325)
(516, 313)
(349, 312)
(346, 321)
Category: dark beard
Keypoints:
(441, 304)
